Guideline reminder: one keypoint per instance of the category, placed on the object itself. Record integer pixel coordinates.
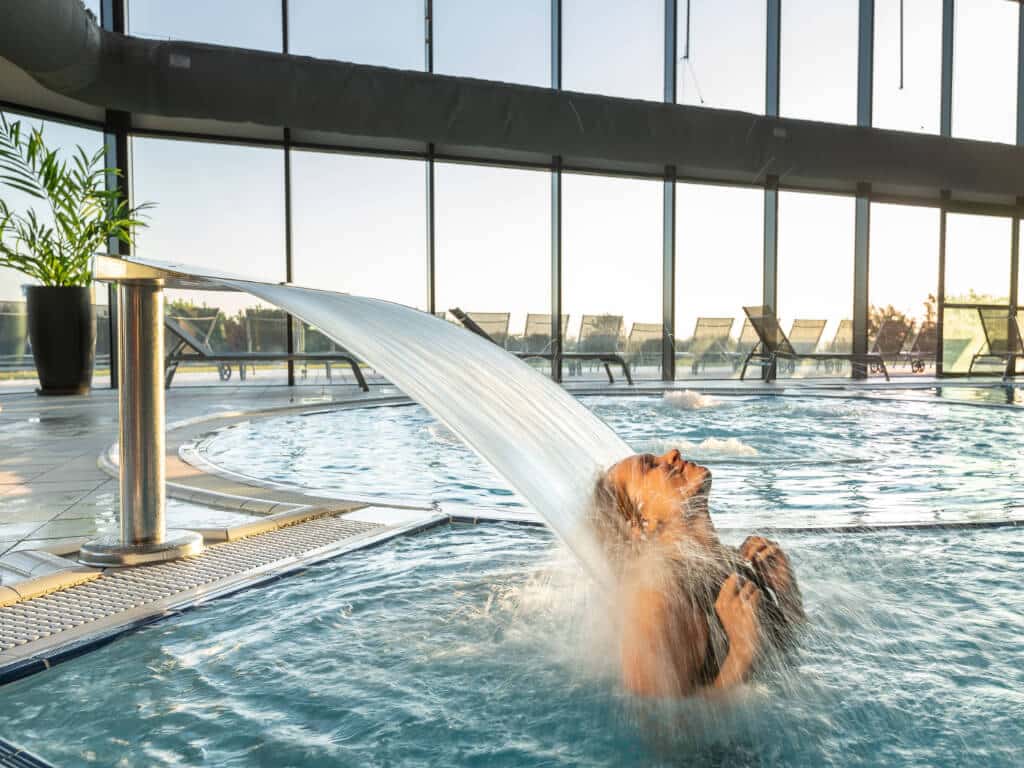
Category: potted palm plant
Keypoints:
(54, 246)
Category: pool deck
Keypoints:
(58, 488)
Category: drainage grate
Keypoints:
(120, 590)
(13, 757)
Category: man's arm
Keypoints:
(737, 609)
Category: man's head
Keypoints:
(658, 499)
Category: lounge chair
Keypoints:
(710, 342)
(643, 345)
(888, 342)
(773, 345)
(744, 344)
(184, 335)
(921, 348)
(495, 324)
(537, 334)
(1003, 340)
(805, 335)
(841, 342)
(606, 359)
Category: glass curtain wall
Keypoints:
(219, 206)
(385, 33)
(358, 226)
(614, 48)
(721, 54)
(611, 272)
(493, 253)
(818, 69)
(903, 286)
(977, 290)
(908, 65)
(494, 40)
(985, 70)
(815, 279)
(252, 24)
(17, 369)
(719, 269)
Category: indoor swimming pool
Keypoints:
(483, 646)
(489, 645)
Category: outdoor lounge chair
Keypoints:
(643, 345)
(841, 342)
(14, 350)
(773, 345)
(889, 340)
(710, 342)
(494, 324)
(1003, 340)
(922, 348)
(537, 334)
(183, 335)
(805, 335)
(744, 344)
(606, 359)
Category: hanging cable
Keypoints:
(901, 45)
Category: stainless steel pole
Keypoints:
(141, 405)
(144, 537)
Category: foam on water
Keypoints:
(547, 445)
(688, 400)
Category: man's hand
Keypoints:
(736, 606)
(773, 565)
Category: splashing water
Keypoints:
(548, 446)
(688, 400)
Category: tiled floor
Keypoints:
(51, 490)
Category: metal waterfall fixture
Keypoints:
(545, 443)
(144, 537)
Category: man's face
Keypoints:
(670, 494)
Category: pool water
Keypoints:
(483, 646)
(777, 461)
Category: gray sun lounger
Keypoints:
(184, 336)
(773, 345)
(536, 338)
(921, 349)
(710, 341)
(606, 359)
(643, 344)
(1003, 340)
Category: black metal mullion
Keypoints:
(557, 341)
(940, 299)
(288, 274)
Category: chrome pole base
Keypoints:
(109, 552)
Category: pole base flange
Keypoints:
(110, 552)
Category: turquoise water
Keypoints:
(475, 646)
(777, 461)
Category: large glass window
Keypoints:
(611, 271)
(359, 225)
(614, 48)
(494, 40)
(721, 60)
(385, 33)
(17, 369)
(219, 206)
(908, 65)
(977, 292)
(815, 278)
(818, 69)
(719, 268)
(985, 70)
(493, 258)
(241, 23)
(903, 285)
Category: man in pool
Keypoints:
(696, 615)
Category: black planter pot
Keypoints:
(62, 332)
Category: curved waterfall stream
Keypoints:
(535, 435)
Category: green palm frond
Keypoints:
(81, 215)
